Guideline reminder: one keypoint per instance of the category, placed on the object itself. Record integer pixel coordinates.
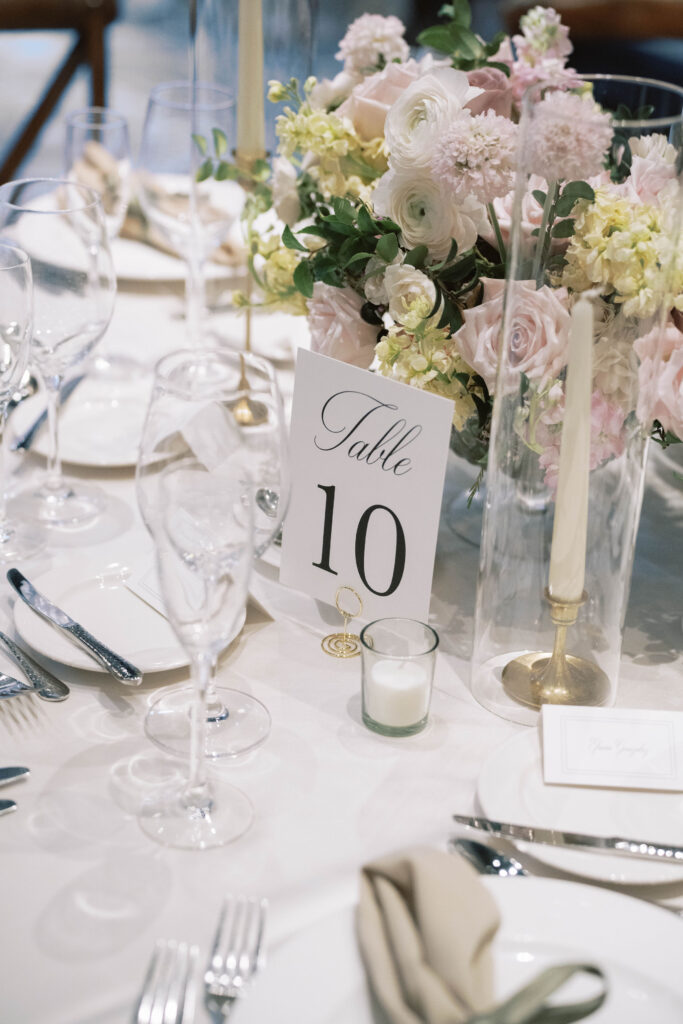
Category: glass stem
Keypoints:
(194, 296)
(4, 526)
(201, 674)
(54, 463)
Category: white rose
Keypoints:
(426, 214)
(409, 291)
(374, 285)
(337, 328)
(419, 115)
(285, 195)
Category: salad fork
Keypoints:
(236, 953)
(167, 995)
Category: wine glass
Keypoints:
(236, 722)
(61, 226)
(193, 216)
(97, 154)
(16, 310)
(196, 495)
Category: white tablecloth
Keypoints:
(85, 893)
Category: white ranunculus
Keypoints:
(418, 117)
(426, 213)
(411, 293)
(285, 195)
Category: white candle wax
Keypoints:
(396, 693)
(568, 550)
(250, 126)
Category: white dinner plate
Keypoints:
(316, 976)
(99, 425)
(511, 788)
(97, 597)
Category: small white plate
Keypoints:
(544, 922)
(137, 261)
(99, 426)
(97, 597)
(511, 788)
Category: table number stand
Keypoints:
(344, 645)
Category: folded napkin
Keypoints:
(425, 927)
(136, 227)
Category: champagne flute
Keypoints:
(236, 722)
(196, 496)
(193, 216)
(61, 226)
(16, 310)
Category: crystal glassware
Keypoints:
(196, 495)
(16, 309)
(61, 226)
(193, 216)
(236, 722)
(588, 348)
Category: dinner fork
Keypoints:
(167, 995)
(236, 953)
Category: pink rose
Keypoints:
(370, 100)
(337, 329)
(497, 94)
(607, 435)
(660, 377)
(538, 328)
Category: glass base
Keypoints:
(466, 522)
(223, 816)
(394, 730)
(18, 542)
(236, 722)
(71, 504)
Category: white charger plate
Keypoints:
(316, 976)
(97, 597)
(511, 788)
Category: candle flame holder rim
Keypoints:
(367, 641)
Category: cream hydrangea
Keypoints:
(277, 277)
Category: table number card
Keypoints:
(613, 747)
(368, 459)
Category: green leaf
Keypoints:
(579, 189)
(462, 15)
(499, 65)
(313, 229)
(337, 226)
(343, 210)
(453, 252)
(200, 143)
(387, 247)
(303, 279)
(467, 45)
(565, 205)
(563, 228)
(539, 196)
(260, 170)
(417, 256)
(220, 141)
(493, 46)
(290, 241)
(225, 170)
(205, 171)
(366, 222)
(438, 37)
(358, 257)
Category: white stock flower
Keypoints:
(411, 294)
(285, 195)
(372, 41)
(420, 115)
(426, 214)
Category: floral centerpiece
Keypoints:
(396, 183)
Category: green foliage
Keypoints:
(456, 39)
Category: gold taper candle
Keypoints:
(250, 123)
(568, 550)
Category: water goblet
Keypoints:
(61, 226)
(236, 722)
(196, 495)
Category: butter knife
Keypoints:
(117, 666)
(12, 774)
(6, 806)
(554, 837)
(26, 439)
(47, 686)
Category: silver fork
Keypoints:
(236, 953)
(167, 995)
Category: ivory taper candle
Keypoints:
(250, 124)
(568, 550)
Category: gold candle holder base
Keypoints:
(558, 678)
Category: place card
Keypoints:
(144, 583)
(368, 458)
(613, 747)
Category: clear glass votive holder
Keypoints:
(398, 659)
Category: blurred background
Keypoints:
(54, 49)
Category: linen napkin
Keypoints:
(425, 928)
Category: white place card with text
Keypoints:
(368, 459)
(613, 747)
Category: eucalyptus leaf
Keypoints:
(579, 189)
(539, 196)
(565, 205)
(563, 228)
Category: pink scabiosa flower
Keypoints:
(372, 41)
(475, 156)
(569, 136)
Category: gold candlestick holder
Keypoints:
(541, 678)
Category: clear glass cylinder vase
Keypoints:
(591, 328)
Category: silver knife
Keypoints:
(554, 837)
(47, 686)
(12, 774)
(6, 806)
(117, 666)
(26, 439)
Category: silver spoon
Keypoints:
(486, 860)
